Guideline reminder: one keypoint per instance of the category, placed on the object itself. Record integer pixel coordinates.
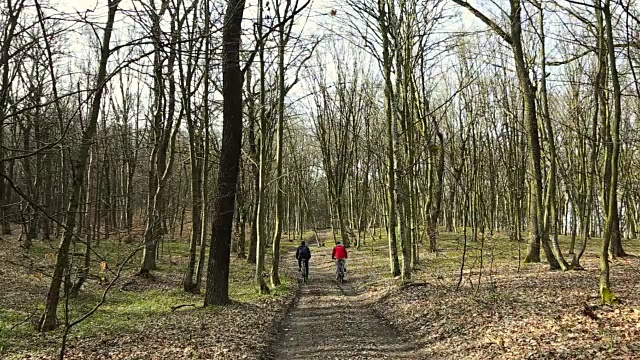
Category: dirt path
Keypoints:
(332, 322)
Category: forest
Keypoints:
(162, 160)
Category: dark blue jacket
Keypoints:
(303, 252)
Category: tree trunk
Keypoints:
(253, 155)
(391, 167)
(205, 182)
(533, 254)
(611, 155)
(551, 208)
(437, 196)
(5, 88)
(48, 321)
(528, 92)
(265, 142)
(616, 250)
(279, 210)
(217, 292)
(196, 205)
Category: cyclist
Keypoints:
(303, 253)
(339, 254)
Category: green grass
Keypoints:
(8, 337)
(132, 306)
(124, 311)
(131, 311)
(497, 251)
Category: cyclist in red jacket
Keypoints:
(339, 254)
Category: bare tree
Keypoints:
(49, 320)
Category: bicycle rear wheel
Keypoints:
(305, 275)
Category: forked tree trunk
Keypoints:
(611, 155)
(528, 92)
(48, 320)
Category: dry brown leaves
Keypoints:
(243, 330)
(533, 314)
(239, 331)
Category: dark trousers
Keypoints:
(306, 264)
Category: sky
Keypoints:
(319, 23)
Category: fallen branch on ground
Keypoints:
(25, 320)
(176, 307)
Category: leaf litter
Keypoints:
(243, 330)
(526, 314)
(531, 314)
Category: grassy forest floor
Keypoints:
(503, 309)
(136, 321)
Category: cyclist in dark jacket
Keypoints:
(303, 252)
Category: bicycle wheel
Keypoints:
(305, 276)
(304, 272)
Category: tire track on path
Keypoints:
(333, 322)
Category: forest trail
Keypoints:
(332, 322)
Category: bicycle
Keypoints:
(305, 274)
(340, 271)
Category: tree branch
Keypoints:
(490, 23)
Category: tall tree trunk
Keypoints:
(437, 195)
(611, 155)
(165, 137)
(532, 129)
(196, 150)
(5, 88)
(48, 320)
(205, 176)
(196, 204)
(217, 292)
(279, 211)
(253, 155)
(91, 195)
(593, 158)
(391, 167)
(153, 230)
(265, 142)
(551, 208)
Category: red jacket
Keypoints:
(339, 252)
